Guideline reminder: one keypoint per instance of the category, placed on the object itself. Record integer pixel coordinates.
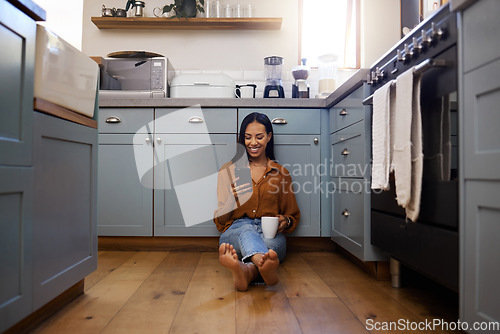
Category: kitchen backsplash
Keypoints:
(242, 77)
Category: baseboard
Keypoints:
(202, 244)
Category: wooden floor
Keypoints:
(190, 292)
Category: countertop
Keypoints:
(345, 89)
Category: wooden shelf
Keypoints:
(254, 23)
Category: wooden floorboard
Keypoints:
(299, 280)
(108, 262)
(264, 309)
(154, 305)
(325, 315)
(209, 303)
(190, 292)
(94, 310)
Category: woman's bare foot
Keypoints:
(243, 273)
(268, 266)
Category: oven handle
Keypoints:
(418, 69)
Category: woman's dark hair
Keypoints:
(264, 120)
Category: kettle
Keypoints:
(138, 5)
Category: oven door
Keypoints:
(439, 197)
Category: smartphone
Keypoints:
(244, 174)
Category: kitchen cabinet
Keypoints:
(479, 95)
(184, 150)
(65, 206)
(17, 35)
(191, 146)
(16, 206)
(162, 151)
(125, 205)
(350, 152)
(297, 134)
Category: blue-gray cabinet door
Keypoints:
(185, 195)
(480, 248)
(16, 207)
(300, 154)
(125, 192)
(17, 33)
(64, 212)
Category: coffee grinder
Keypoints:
(300, 89)
(273, 68)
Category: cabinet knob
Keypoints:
(345, 151)
(113, 119)
(316, 140)
(195, 119)
(148, 141)
(346, 213)
(343, 112)
(279, 120)
(158, 140)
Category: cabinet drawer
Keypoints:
(125, 120)
(195, 120)
(348, 111)
(348, 151)
(343, 117)
(348, 213)
(289, 121)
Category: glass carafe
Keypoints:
(273, 67)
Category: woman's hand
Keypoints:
(242, 189)
(283, 223)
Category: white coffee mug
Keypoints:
(269, 226)
(246, 91)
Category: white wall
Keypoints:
(236, 50)
(380, 28)
(64, 19)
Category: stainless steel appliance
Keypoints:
(136, 75)
(431, 244)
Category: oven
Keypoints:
(429, 245)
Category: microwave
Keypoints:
(135, 77)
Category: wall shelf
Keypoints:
(254, 23)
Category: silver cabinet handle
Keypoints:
(316, 140)
(279, 120)
(113, 119)
(343, 112)
(346, 213)
(195, 119)
(148, 141)
(158, 140)
(345, 151)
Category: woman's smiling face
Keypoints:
(256, 139)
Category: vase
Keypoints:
(189, 7)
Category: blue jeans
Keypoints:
(245, 234)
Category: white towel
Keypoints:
(417, 156)
(381, 137)
(407, 138)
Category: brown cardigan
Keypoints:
(272, 195)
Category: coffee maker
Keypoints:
(300, 89)
(273, 68)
